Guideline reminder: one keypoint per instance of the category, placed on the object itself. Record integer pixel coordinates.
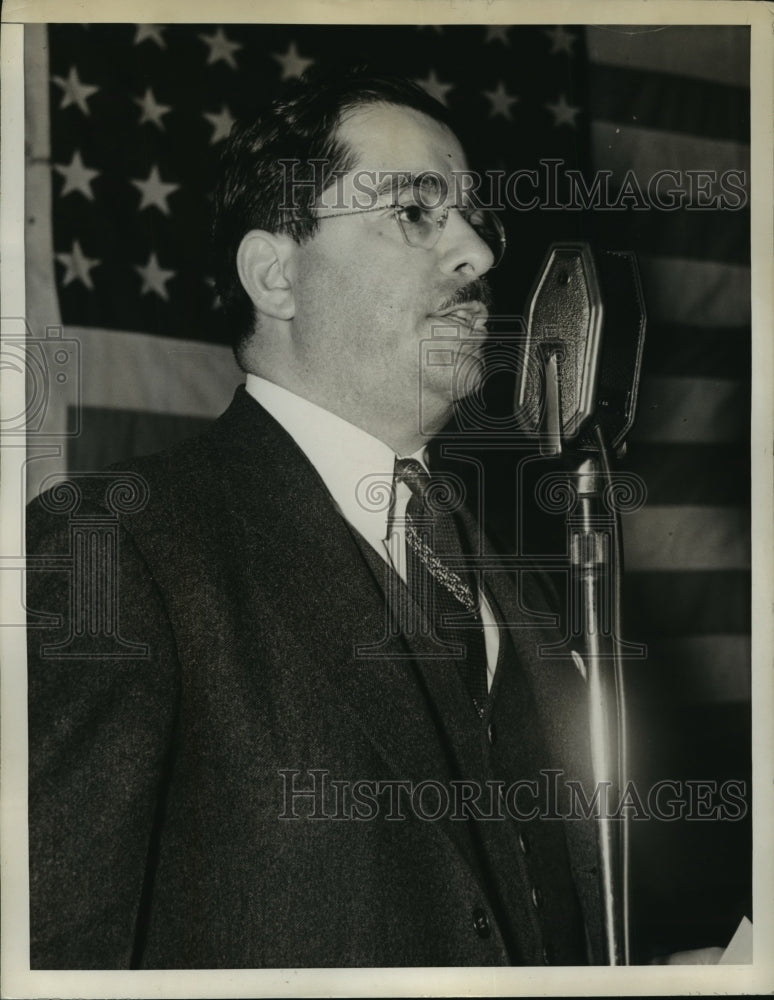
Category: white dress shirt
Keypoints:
(358, 470)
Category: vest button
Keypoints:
(537, 897)
(524, 843)
(491, 734)
(481, 923)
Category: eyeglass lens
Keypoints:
(423, 227)
(489, 228)
(424, 220)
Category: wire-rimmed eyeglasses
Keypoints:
(422, 225)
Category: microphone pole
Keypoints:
(579, 386)
(594, 582)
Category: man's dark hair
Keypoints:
(300, 129)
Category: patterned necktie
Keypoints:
(442, 592)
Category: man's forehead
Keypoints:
(401, 141)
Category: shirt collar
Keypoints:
(356, 467)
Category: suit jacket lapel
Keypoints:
(339, 601)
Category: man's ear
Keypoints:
(263, 264)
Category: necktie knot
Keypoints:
(411, 472)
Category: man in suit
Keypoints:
(278, 751)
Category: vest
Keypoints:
(523, 862)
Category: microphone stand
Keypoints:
(595, 549)
(583, 349)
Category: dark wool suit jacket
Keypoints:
(161, 834)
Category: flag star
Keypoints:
(561, 39)
(75, 92)
(78, 265)
(152, 111)
(435, 88)
(292, 62)
(497, 33)
(150, 32)
(221, 124)
(154, 191)
(154, 278)
(564, 113)
(501, 101)
(77, 176)
(221, 48)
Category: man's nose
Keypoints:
(463, 251)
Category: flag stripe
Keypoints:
(126, 371)
(701, 235)
(108, 435)
(619, 146)
(671, 102)
(716, 54)
(685, 537)
(690, 603)
(681, 290)
(675, 349)
(692, 410)
(160, 374)
(42, 301)
(714, 665)
(693, 473)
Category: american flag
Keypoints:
(124, 126)
(137, 115)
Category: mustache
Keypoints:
(475, 291)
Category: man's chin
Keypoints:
(468, 376)
(453, 387)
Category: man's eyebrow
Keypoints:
(394, 181)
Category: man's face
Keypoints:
(365, 300)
